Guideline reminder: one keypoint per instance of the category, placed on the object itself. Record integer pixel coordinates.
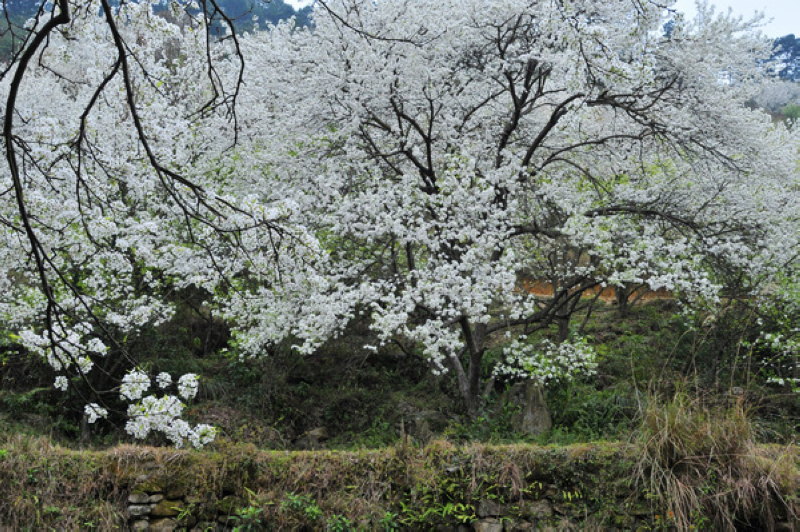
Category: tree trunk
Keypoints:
(470, 380)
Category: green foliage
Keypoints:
(388, 522)
(581, 412)
(301, 507)
(247, 519)
(791, 112)
(339, 523)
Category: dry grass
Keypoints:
(701, 463)
(45, 486)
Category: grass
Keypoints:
(701, 462)
(44, 485)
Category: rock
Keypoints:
(163, 525)
(320, 434)
(312, 439)
(175, 492)
(146, 484)
(193, 499)
(562, 526)
(566, 508)
(489, 508)
(488, 525)
(141, 524)
(425, 424)
(541, 509)
(139, 510)
(518, 526)
(229, 504)
(533, 417)
(138, 498)
(167, 508)
(156, 498)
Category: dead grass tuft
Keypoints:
(701, 463)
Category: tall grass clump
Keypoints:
(700, 464)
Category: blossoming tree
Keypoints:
(114, 122)
(403, 159)
(440, 148)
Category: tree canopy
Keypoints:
(405, 160)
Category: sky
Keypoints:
(297, 4)
(785, 14)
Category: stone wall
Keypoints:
(438, 486)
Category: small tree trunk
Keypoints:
(563, 329)
(622, 294)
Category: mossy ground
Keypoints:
(43, 485)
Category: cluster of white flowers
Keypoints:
(134, 384)
(61, 383)
(95, 412)
(787, 348)
(163, 380)
(187, 386)
(163, 414)
(547, 362)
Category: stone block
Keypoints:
(140, 525)
(488, 525)
(167, 508)
(541, 509)
(138, 498)
(488, 508)
(175, 492)
(139, 510)
(163, 525)
(518, 526)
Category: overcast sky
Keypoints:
(785, 14)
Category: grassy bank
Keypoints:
(43, 485)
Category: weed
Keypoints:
(248, 519)
(302, 507)
(388, 522)
(339, 523)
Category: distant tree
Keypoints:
(791, 111)
(786, 52)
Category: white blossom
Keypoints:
(163, 380)
(95, 412)
(61, 383)
(187, 386)
(134, 384)
(405, 160)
